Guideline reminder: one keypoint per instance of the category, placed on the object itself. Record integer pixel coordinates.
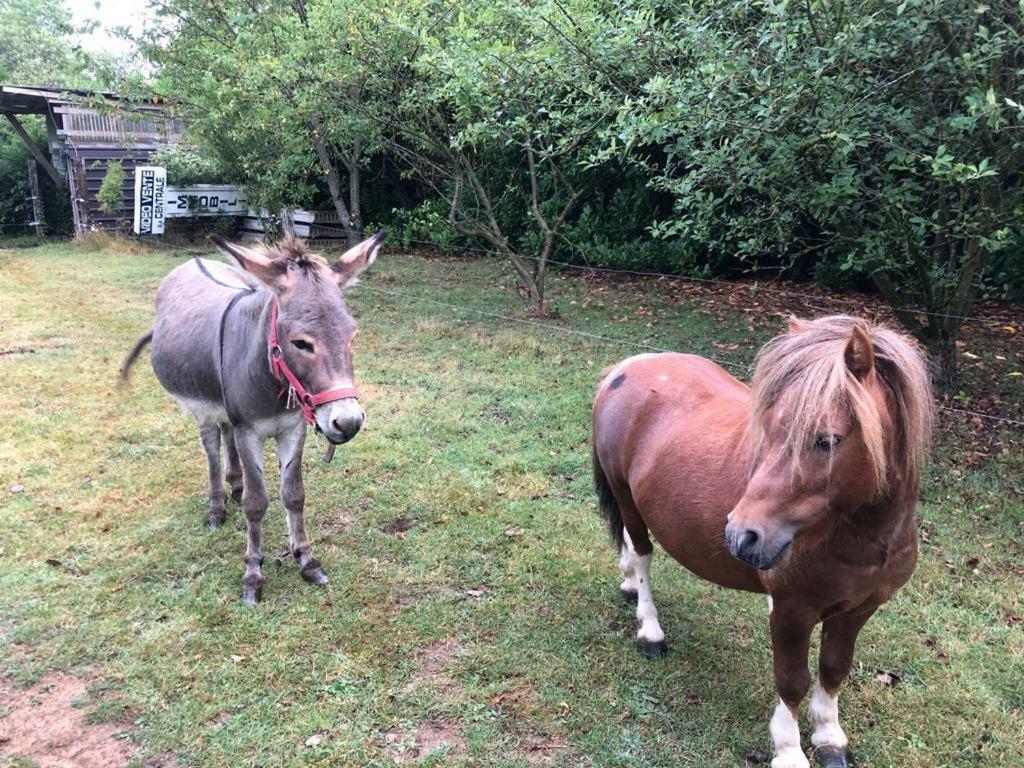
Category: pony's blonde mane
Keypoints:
(809, 368)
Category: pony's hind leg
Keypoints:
(209, 436)
(628, 586)
(233, 464)
(650, 639)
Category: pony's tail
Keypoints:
(140, 345)
(607, 504)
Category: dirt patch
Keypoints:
(433, 661)
(337, 522)
(397, 526)
(405, 746)
(41, 724)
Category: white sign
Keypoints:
(205, 200)
(150, 191)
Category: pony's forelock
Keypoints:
(808, 370)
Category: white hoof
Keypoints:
(790, 758)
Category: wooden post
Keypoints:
(37, 153)
(37, 202)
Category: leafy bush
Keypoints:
(187, 165)
(111, 192)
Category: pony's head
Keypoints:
(841, 415)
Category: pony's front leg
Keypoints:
(254, 504)
(791, 639)
(293, 497)
(838, 638)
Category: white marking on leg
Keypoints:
(771, 605)
(626, 555)
(824, 714)
(785, 732)
(646, 613)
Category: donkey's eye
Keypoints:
(303, 345)
(827, 442)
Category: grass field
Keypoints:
(473, 616)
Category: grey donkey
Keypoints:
(217, 351)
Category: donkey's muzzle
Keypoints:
(341, 420)
(750, 546)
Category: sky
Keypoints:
(110, 14)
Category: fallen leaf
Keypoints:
(315, 739)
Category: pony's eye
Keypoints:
(303, 345)
(827, 442)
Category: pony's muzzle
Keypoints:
(753, 547)
(340, 420)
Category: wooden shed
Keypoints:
(86, 130)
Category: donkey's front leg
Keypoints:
(791, 638)
(254, 504)
(209, 436)
(293, 496)
(838, 638)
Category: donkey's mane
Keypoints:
(809, 368)
(293, 250)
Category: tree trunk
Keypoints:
(323, 155)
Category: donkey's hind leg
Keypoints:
(209, 436)
(234, 465)
(650, 639)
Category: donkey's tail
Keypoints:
(130, 359)
(607, 504)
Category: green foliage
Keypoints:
(187, 165)
(882, 137)
(111, 192)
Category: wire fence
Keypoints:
(505, 317)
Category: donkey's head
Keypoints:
(314, 326)
(841, 411)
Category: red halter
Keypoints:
(289, 381)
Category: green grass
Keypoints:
(477, 433)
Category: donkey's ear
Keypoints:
(796, 325)
(265, 269)
(860, 353)
(355, 260)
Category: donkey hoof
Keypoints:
(314, 573)
(829, 756)
(652, 649)
(217, 521)
(629, 595)
(251, 595)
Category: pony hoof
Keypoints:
(630, 596)
(829, 756)
(652, 649)
(314, 574)
(252, 595)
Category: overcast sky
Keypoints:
(110, 14)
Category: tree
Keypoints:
(493, 115)
(273, 89)
(884, 135)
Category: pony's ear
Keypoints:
(796, 325)
(268, 271)
(346, 269)
(860, 353)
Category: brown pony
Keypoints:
(802, 486)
